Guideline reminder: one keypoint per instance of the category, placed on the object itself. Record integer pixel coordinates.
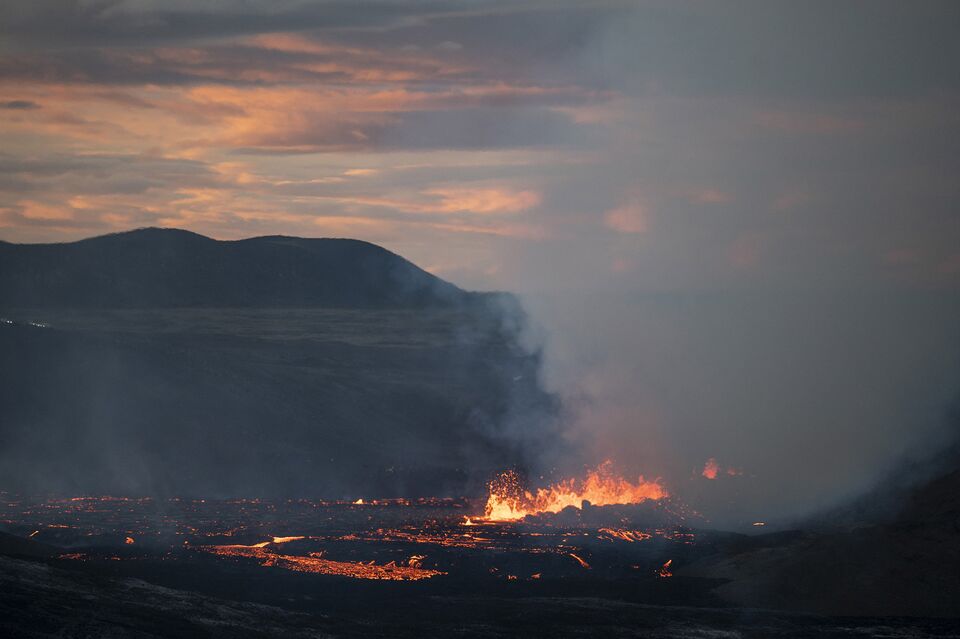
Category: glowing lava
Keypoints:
(664, 570)
(508, 501)
(624, 535)
(711, 469)
(315, 562)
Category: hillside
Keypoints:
(891, 552)
(163, 268)
(164, 362)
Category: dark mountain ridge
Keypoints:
(167, 268)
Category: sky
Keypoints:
(736, 224)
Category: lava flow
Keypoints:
(314, 562)
(508, 501)
(548, 534)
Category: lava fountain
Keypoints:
(509, 501)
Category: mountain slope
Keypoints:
(901, 557)
(255, 402)
(164, 362)
(163, 268)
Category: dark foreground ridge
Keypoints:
(164, 268)
(164, 585)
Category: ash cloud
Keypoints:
(811, 397)
(759, 314)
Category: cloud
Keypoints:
(126, 22)
(481, 201)
(21, 105)
(631, 218)
(33, 210)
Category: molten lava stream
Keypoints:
(508, 501)
(266, 553)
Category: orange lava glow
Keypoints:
(508, 501)
(624, 535)
(711, 469)
(315, 563)
(580, 561)
(664, 570)
(436, 537)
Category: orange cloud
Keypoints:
(482, 201)
(33, 210)
(453, 200)
(524, 231)
(294, 43)
(629, 218)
